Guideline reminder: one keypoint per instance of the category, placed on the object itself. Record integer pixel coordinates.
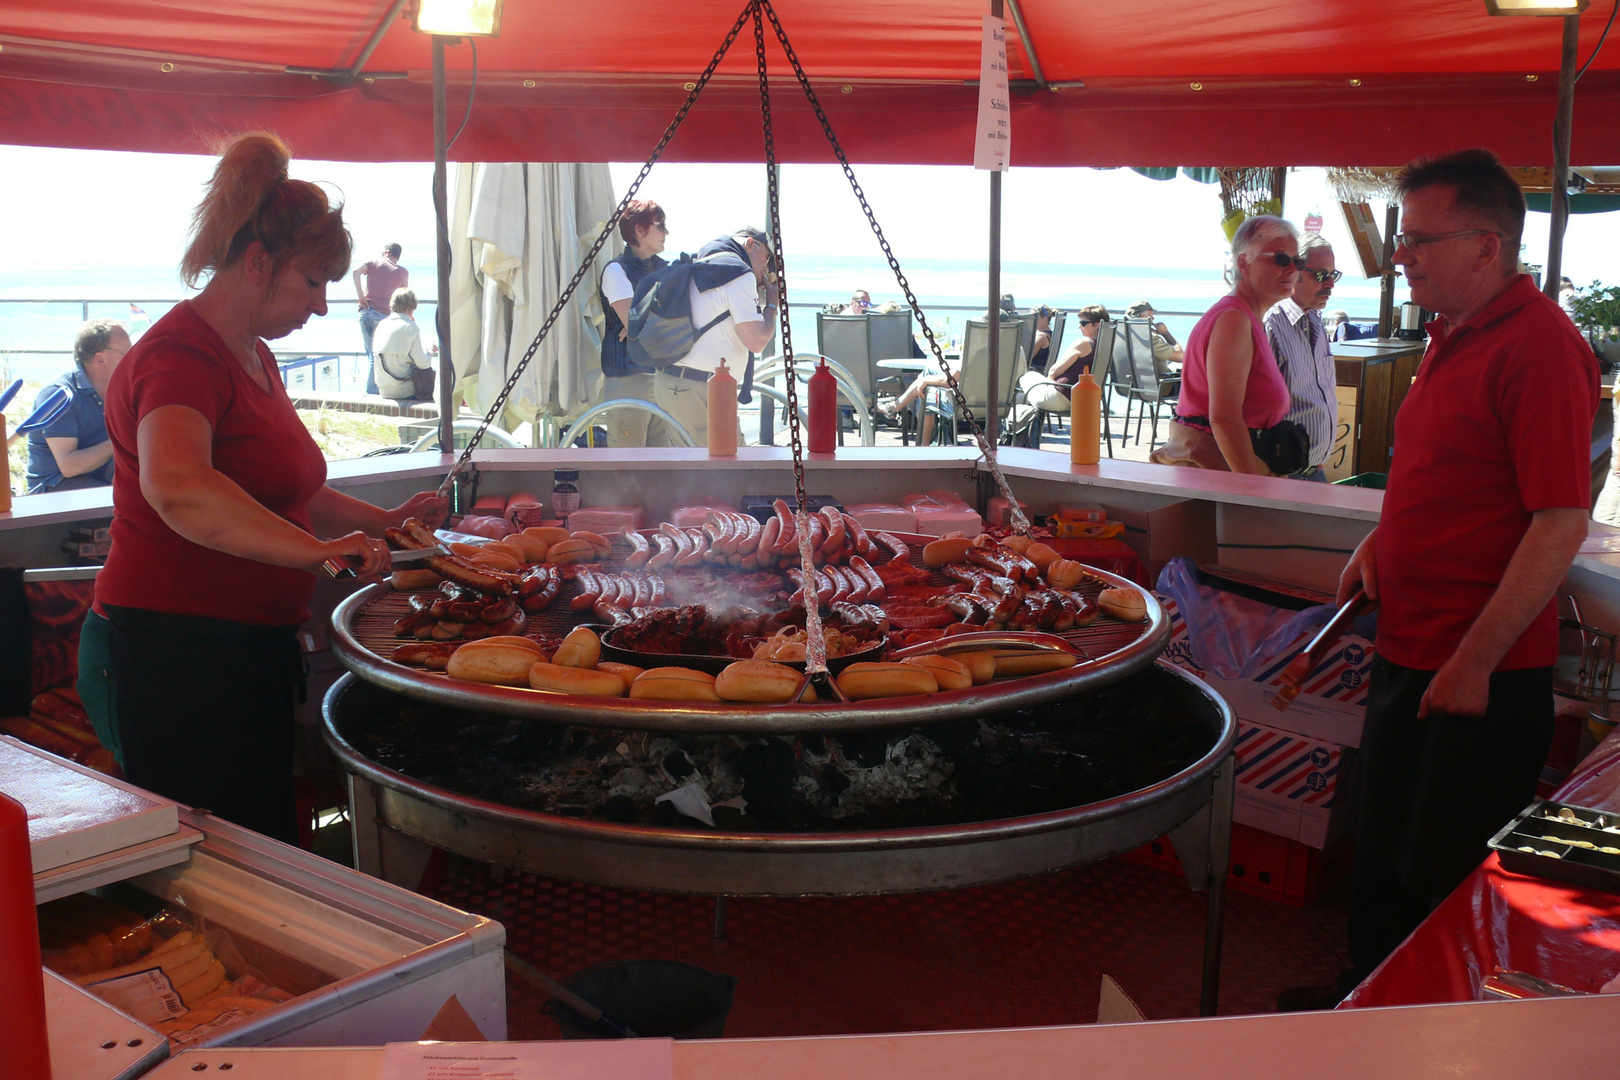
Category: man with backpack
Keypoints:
(697, 311)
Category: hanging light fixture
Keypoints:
(1535, 7)
(458, 18)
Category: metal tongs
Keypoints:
(1300, 668)
(348, 566)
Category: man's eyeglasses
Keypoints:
(1282, 258)
(1326, 277)
(660, 226)
(1414, 241)
(1088, 322)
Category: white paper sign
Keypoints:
(585, 1059)
(995, 113)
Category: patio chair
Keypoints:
(844, 338)
(1030, 424)
(973, 376)
(1138, 379)
(888, 337)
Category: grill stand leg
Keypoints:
(720, 918)
(1203, 843)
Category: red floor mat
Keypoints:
(1014, 955)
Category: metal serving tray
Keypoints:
(1557, 845)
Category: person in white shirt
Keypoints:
(1300, 341)
(398, 344)
(733, 267)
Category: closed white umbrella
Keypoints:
(526, 227)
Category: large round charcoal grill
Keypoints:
(1194, 804)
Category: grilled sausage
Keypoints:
(640, 549)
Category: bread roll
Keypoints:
(757, 680)
(570, 551)
(492, 661)
(573, 680)
(518, 640)
(951, 674)
(1011, 664)
(981, 664)
(1017, 542)
(1126, 605)
(674, 684)
(534, 548)
(1041, 555)
(878, 680)
(599, 543)
(1064, 574)
(945, 552)
(507, 547)
(581, 649)
(466, 550)
(550, 534)
(496, 560)
(411, 580)
(627, 672)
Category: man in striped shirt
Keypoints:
(1300, 343)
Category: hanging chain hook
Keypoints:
(1019, 521)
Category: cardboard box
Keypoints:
(1157, 535)
(1332, 702)
(1289, 785)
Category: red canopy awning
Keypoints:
(1151, 82)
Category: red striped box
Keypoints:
(1289, 785)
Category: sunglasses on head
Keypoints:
(1282, 258)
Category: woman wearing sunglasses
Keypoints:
(1231, 384)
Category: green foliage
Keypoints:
(1598, 309)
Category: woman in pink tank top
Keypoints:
(1230, 379)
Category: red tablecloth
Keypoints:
(1554, 931)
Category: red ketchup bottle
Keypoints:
(25, 1052)
(823, 410)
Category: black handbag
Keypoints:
(1285, 448)
(423, 380)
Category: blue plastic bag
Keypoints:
(1235, 637)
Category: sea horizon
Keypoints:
(29, 329)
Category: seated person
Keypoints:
(1166, 351)
(1041, 347)
(859, 303)
(1049, 390)
(398, 349)
(73, 451)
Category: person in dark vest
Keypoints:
(645, 233)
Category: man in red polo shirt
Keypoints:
(1485, 509)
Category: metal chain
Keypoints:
(815, 663)
(1020, 522)
(590, 256)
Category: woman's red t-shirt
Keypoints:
(259, 443)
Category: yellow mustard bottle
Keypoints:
(722, 413)
(1085, 421)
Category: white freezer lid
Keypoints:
(303, 906)
(76, 813)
